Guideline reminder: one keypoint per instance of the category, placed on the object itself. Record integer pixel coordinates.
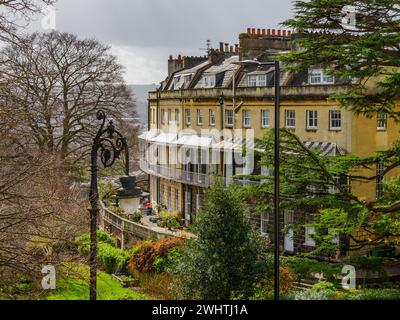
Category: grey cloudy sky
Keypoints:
(143, 33)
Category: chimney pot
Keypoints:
(284, 33)
(221, 46)
(268, 31)
(263, 32)
(258, 31)
(289, 33)
(253, 30)
(273, 32)
(279, 32)
(236, 48)
(231, 49)
(248, 30)
(179, 57)
(226, 47)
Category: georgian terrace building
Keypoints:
(209, 107)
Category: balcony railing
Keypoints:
(188, 177)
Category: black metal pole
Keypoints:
(276, 181)
(93, 211)
(109, 151)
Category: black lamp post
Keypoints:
(276, 66)
(110, 143)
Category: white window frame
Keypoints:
(246, 118)
(162, 116)
(336, 237)
(169, 116)
(312, 119)
(257, 80)
(199, 117)
(290, 115)
(188, 118)
(381, 121)
(186, 79)
(209, 81)
(309, 241)
(263, 117)
(176, 81)
(333, 119)
(212, 117)
(318, 76)
(229, 115)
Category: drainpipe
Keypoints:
(158, 127)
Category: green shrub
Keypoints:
(374, 294)
(320, 291)
(83, 241)
(111, 258)
(369, 264)
(136, 216)
(169, 220)
(165, 263)
(159, 264)
(167, 215)
(143, 259)
(304, 268)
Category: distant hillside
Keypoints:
(141, 94)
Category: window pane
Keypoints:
(246, 118)
(264, 118)
(335, 119)
(382, 120)
(290, 118)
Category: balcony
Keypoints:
(308, 92)
(187, 177)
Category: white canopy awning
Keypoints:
(164, 138)
(326, 148)
(149, 134)
(193, 140)
(236, 143)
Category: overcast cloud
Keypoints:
(143, 33)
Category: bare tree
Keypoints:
(56, 82)
(15, 14)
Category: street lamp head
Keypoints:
(110, 129)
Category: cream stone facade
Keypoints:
(203, 96)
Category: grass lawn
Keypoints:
(75, 286)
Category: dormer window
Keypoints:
(209, 81)
(257, 80)
(318, 76)
(186, 79)
(176, 81)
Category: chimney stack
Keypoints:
(226, 47)
(221, 47)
